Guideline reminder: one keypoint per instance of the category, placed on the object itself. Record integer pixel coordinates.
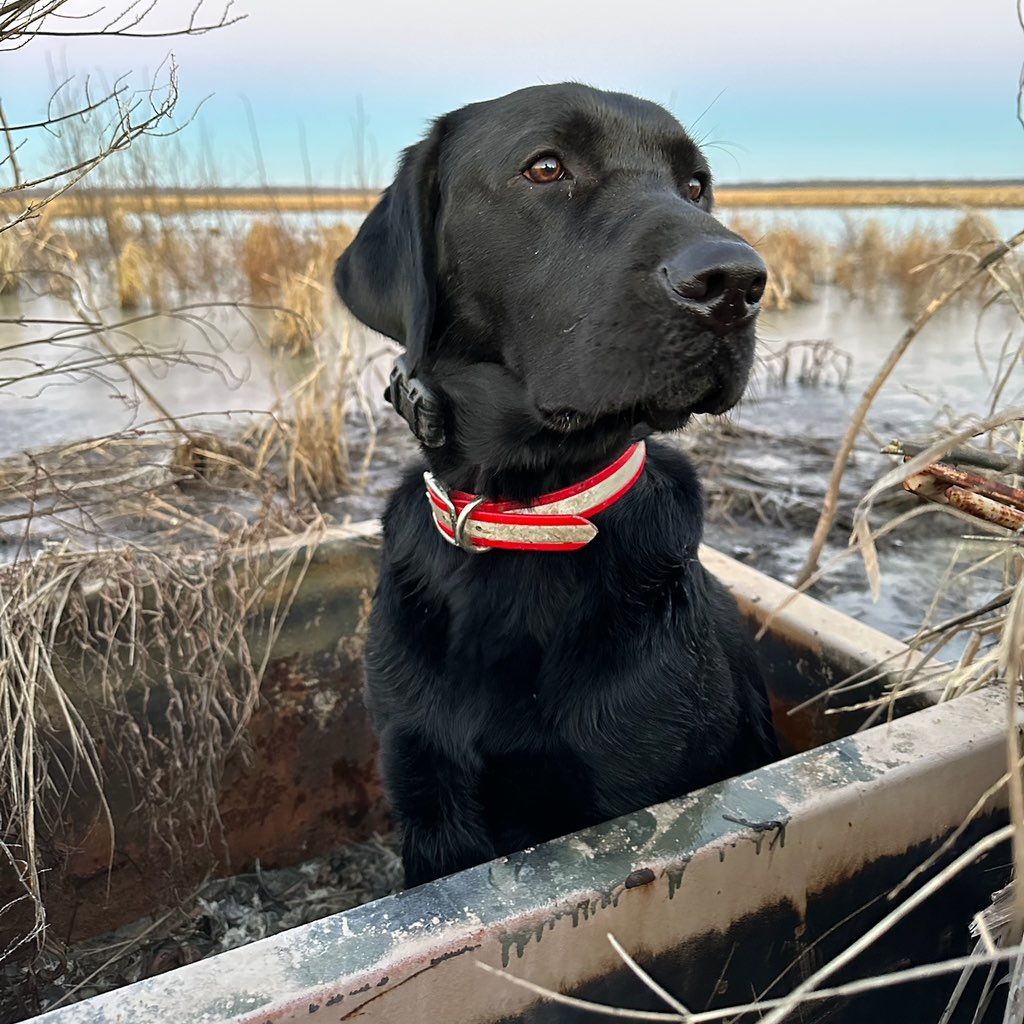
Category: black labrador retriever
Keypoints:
(545, 649)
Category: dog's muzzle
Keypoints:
(559, 521)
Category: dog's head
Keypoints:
(562, 238)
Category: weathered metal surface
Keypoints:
(807, 648)
(777, 844)
(309, 781)
(304, 782)
(767, 860)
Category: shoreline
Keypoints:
(790, 195)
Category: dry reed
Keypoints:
(131, 668)
(954, 195)
(796, 260)
(305, 435)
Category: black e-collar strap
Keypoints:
(417, 403)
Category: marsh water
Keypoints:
(212, 369)
(212, 361)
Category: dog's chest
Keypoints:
(501, 654)
(527, 650)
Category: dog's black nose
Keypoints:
(719, 279)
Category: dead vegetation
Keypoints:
(865, 196)
(816, 363)
(140, 592)
(220, 915)
(796, 260)
(868, 261)
(163, 682)
(292, 273)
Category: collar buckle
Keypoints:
(458, 520)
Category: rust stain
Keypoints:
(642, 876)
(988, 500)
(985, 508)
(288, 797)
(979, 484)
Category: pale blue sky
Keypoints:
(796, 88)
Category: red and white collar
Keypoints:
(559, 521)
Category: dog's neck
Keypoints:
(500, 447)
(523, 471)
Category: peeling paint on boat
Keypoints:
(761, 838)
(763, 851)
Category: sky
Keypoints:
(791, 89)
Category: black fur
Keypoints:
(518, 695)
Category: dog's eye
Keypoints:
(545, 169)
(695, 189)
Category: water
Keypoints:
(832, 222)
(200, 367)
(940, 379)
(191, 366)
(941, 371)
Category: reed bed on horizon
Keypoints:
(148, 261)
(869, 261)
(200, 198)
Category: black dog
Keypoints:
(549, 261)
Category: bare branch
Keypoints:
(21, 22)
(830, 504)
(118, 90)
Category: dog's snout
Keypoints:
(718, 279)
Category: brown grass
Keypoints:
(135, 668)
(795, 260)
(305, 291)
(292, 271)
(869, 261)
(862, 260)
(913, 265)
(305, 439)
(138, 277)
(269, 251)
(951, 196)
(12, 246)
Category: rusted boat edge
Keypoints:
(852, 645)
(774, 836)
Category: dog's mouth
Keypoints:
(709, 387)
(566, 421)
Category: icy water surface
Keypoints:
(213, 360)
(941, 379)
(832, 222)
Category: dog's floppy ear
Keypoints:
(388, 279)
